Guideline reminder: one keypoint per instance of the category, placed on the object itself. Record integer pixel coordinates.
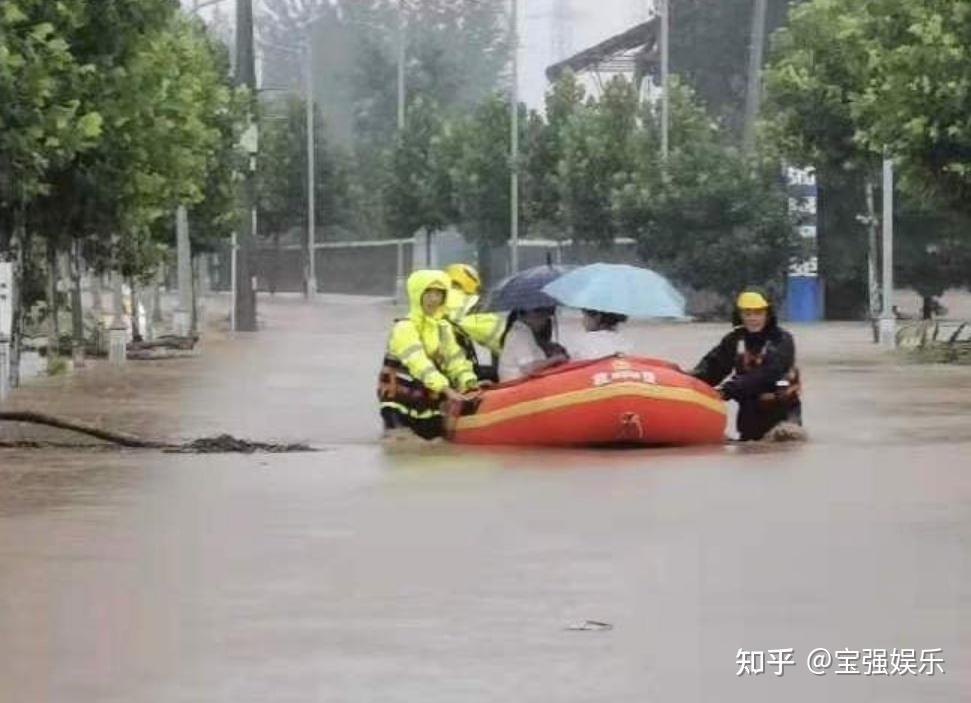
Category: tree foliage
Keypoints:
(710, 43)
(418, 189)
(480, 170)
(711, 217)
(112, 113)
(282, 171)
(596, 159)
(851, 81)
(42, 121)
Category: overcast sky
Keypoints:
(590, 22)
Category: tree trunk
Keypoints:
(276, 263)
(54, 343)
(77, 311)
(18, 245)
(194, 323)
(157, 295)
(136, 329)
(927, 307)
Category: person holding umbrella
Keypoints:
(607, 294)
(601, 336)
(760, 358)
(528, 342)
(528, 345)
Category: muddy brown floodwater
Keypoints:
(359, 574)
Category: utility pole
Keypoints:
(665, 8)
(514, 140)
(310, 290)
(246, 76)
(402, 45)
(754, 84)
(887, 317)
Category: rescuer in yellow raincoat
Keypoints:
(472, 327)
(424, 363)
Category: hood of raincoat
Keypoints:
(418, 283)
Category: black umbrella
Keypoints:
(524, 290)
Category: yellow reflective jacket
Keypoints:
(483, 328)
(425, 345)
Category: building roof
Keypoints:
(634, 49)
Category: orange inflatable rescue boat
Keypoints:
(616, 400)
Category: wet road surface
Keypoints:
(446, 574)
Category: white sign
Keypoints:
(802, 206)
(801, 176)
(809, 267)
(6, 299)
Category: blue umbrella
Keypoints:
(618, 288)
(523, 290)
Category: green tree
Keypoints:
(934, 251)
(848, 80)
(917, 98)
(168, 112)
(171, 123)
(710, 217)
(418, 189)
(710, 42)
(817, 66)
(42, 121)
(596, 158)
(477, 151)
(542, 210)
(282, 169)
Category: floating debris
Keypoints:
(590, 626)
(226, 444)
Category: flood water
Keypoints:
(446, 574)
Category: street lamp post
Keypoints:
(246, 76)
(664, 6)
(310, 270)
(311, 286)
(401, 64)
(514, 140)
(753, 90)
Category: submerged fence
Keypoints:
(379, 267)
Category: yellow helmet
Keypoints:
(751, 300)
(465, 277)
